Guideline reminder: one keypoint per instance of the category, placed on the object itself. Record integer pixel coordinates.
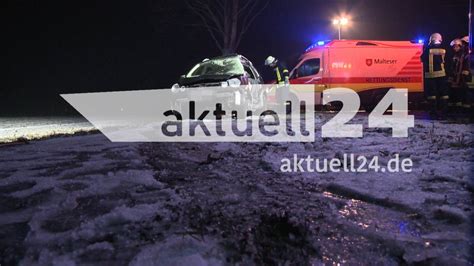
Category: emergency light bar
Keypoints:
(418, 41)
(318, 44)
(321, 44)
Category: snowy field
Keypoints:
(14, 129)
(83, 200)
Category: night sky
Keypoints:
(57, 47)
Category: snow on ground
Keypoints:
(85, 200)
(13, 129)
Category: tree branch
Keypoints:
(250, 19)
(227, 21)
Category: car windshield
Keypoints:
(218, 67)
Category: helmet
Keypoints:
(456, 42)
(436, 38)
(270, 60)
(465, 39)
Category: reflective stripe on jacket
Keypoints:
(282, 74)
(433, 61)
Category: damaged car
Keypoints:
(232, 79)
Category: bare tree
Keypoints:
(227, 20)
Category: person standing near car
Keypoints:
(282, 79)
(459, 76)
(436, 87)
(281, 72)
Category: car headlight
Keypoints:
(235, 82)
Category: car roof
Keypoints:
(243, 58)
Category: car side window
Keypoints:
(255, 72)
(310, 67)
(249, 71)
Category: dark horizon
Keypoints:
(58, 47)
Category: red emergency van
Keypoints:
(370, 68)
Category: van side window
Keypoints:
(310, 67)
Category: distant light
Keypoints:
(321, 43)
(344, 21)
(421, 41)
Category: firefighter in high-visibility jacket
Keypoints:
(281, 72)
(282, 79)
(459, 74)
(436, 81)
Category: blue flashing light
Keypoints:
(421, 41)
(319, 43)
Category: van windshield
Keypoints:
(229, 66)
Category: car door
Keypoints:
(310, 71)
